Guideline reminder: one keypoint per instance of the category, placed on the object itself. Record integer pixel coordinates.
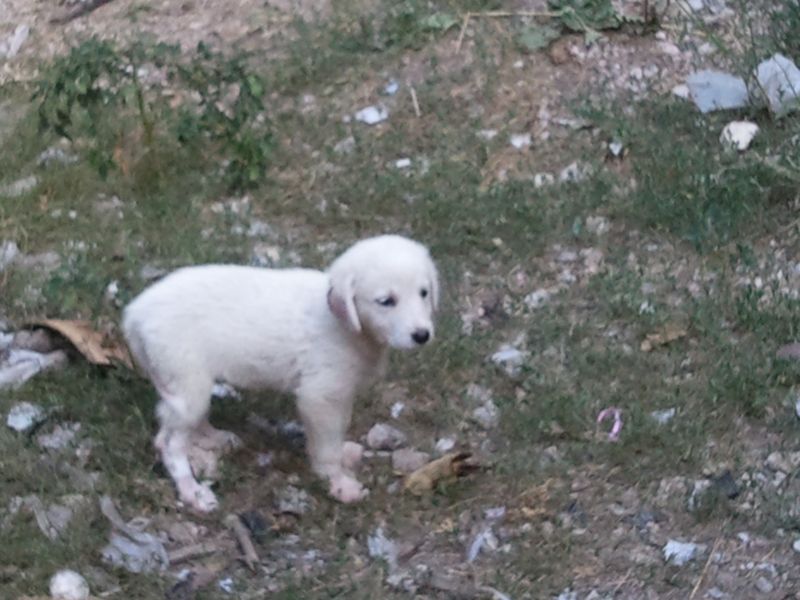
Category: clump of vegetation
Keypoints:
(123, 106)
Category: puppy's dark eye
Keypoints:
(423, 292)
(387, 301)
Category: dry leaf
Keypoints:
(95, 346)
(426, 477)
(668, 334)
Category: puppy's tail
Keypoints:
(136, 345)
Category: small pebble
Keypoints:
(68, 585)
(385, 437)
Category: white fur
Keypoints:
(322, 336)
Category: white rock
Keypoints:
(60, 437)
(371, 115)
(445, 445)
(764, 585)
(226, 585)
(8, 253)
(796, 545)
(777, 461)
(537, 298)
(574, 173)
(542, 179)
(381, 547)
(11, 46)
(390, 89)
(487, 416)
(19, 187)
(385, 437)
(738, 135)
(779, 78)
(669, 48)
(56, 155)
(662, 417)
(68, 585)
(112, 290)
(293, 500)
(598, 225)
(25, 415)
(680, 553)
(681, 91)
(509, 358)
(485, 539)
(616, 148)
(402, 163)
(717, 90)
(520, 140)
(397, 409)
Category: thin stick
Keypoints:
(463, 31)
(493, 14)
(705, 568)
(191, 551)
(243, 537)
(83, 9)
(414, 101)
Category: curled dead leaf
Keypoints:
(424, 479)
(95, 346)
(667, 335)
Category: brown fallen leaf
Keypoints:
(94, 346)
(450, 465)
(666, 335)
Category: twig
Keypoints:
(243, 537)
(705, 568)
(191, 551)
(461, 33)
(414, 101)
(493, 14)
(83, 9)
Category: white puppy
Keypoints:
(322, 336)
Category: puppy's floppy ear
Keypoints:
(342, 300)
(434, 277)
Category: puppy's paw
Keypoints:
(347, 489)
(198, 496)
(352, 453)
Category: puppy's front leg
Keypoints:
(326, 421)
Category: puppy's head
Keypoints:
(386, 287)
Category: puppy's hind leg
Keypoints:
(181, 411)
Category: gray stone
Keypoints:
(385, 437)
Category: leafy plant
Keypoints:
(97, 93)
(409, 24)
(537, 37)
(583, 15)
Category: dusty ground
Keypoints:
(554, 249)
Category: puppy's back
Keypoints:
(226, 318)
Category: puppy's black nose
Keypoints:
(421, 336)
